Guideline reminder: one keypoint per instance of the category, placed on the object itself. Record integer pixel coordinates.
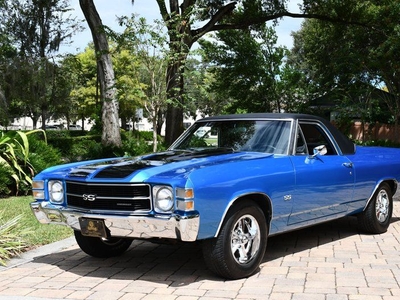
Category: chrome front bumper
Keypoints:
(184, 228)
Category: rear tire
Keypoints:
(241, 244)
(102, 248)
(376, 217)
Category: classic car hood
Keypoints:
(169, 162)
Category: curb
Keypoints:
(40, 251)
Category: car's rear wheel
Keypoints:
(241, 244)
(376, 217)
(98, 247)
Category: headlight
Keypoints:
(56, 191)
(163, 199)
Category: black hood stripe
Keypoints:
(122, 171)
(127, 166)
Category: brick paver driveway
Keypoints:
(332, 261)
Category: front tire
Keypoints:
(241, 244)
(102, 248)
(376, 217)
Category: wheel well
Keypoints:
(392, 184)
(262, 201)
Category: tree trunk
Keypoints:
(155, 142)
(111, 135)
(160, 122)
(44, 117)
(83, 123)
(174, 115)
(178, 21)
(34, 121)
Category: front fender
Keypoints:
(217, 189)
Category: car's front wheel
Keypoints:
(376, 217)
(241, 244)
(102, 248)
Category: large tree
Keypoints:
(35, 29)
(215, 15)
(338, 57)
(111, 135)
(247, 67)
(84, 99)
(181, 17)
(147, 43)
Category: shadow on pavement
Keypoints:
(182, 264)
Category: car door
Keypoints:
(324, 183)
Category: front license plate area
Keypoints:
(93, 227)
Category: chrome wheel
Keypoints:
(245, 239)
(376, 216)
(240, 246)
(382, 206)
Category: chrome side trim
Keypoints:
(184, 228)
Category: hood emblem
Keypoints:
(89, 197)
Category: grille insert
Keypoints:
(106, 196)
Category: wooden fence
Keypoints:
(375, 132)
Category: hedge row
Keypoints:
(68, 146)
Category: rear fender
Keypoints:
(393, 186)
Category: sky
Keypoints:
(109, 10)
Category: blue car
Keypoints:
(229, 182)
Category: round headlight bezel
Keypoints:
(56, 191)
(163, 199)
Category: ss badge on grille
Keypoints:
(89, 197)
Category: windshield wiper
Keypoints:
(189, 150)
(198, 152)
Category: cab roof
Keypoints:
(345, 144)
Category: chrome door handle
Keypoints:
(347, 164)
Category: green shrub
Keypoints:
(14, 153)
(84, 149)
(5, 179)
(23, 155)
(145, 135)
(71, 146)
(140, 142)
(57, 134)
(43, 155)
(380, 143)
(90, 147)
(67, 145)
(134, 147)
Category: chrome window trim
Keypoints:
(327, 133)
(291, 129)
(296, 131)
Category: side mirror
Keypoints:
(319, 150)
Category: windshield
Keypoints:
(267, 136)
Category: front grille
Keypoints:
(105, 196)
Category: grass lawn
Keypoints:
(29, 230)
